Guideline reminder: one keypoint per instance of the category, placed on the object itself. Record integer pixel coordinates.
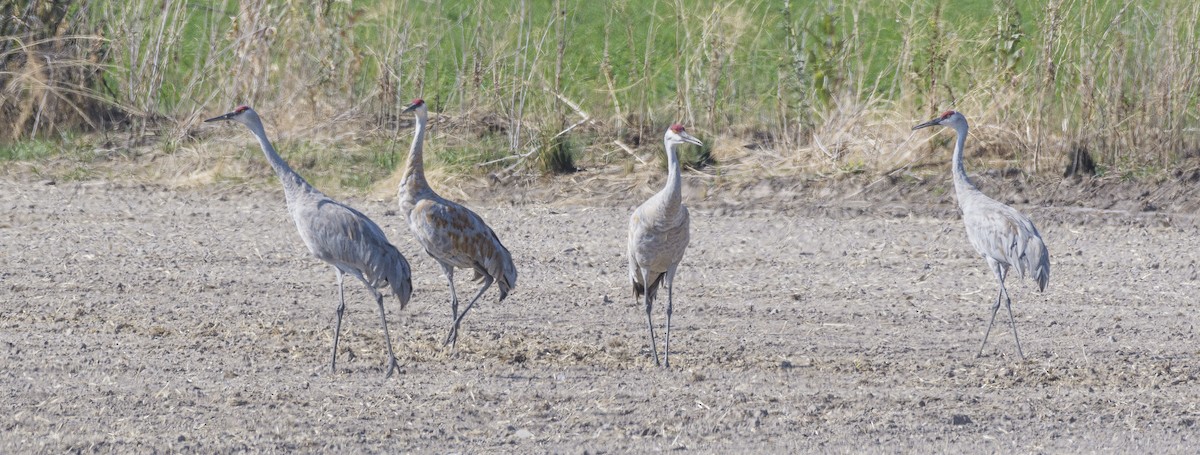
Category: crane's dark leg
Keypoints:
(392, 364)
(649, 296)
(995, 308)
(337, 328)
(453, 337)
(670, 303)
(448, 270)
(1012, 321)
(999, 276)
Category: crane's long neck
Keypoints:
(961, 183)
(673, 190)
(293, 183)
(413, 182)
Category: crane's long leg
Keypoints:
(453, 337)
(670, 303)
(1012, 321)
(337, 329)
(999, 276)
(392, 364)
(448, 270)
(649, 296)
(995, 308)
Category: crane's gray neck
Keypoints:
(293, 183)
(673, 190)
(413, 181)
(961, 183)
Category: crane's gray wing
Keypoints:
(348, 239)
(1004, 234)
(455, 235)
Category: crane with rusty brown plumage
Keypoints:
(451, 234)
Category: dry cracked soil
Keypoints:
(145, 319)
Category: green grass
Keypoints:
(32, 149)
(557, 156)
(477, 155)
(1121, 80)
(697, 157)
(356, 166)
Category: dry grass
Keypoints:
(522, 88)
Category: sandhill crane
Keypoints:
(1001, 234)
(451, 234)
(658, 236)
(337, 234)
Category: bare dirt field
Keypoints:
(139, 319)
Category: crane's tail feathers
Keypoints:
(1037, 262)
(506, 276)
(403, 293)
(402, 289)
(506, 280)
(505, 288)
(506, 273)
(399, 278)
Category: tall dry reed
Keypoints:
(778, 85)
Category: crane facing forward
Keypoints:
(1001, 234)
(451, 234)
(658, 236)
(337, 234)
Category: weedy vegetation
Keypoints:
(553, 86)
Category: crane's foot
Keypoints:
(654, 350)
(392, 366)
(979, 355)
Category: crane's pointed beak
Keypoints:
(221, 117)
(690, 139)
(410, 108)
(934, 122)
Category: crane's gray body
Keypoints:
(451, 234)
(1002, 235)
(337, 234)
(658, 237)
(659, 234)
(455, 236)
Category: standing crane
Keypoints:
(451, 234)
(1001, 234)
(337, 234)
(658, 236)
